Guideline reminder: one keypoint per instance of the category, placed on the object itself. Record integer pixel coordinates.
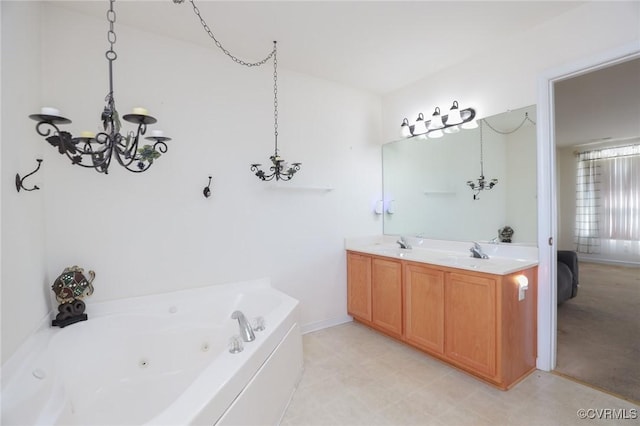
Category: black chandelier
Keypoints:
(481, 184)
(279, 169)
(100, 148)
(439, 124)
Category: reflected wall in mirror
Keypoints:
(425, 182)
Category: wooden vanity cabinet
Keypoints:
(374, 292)
(470, 306)
(424, 307)
(359, 286)
(386, 295)
(472, 320)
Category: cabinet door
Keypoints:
(424, 307)
(359, 286)
(470, 322)
(387, 295)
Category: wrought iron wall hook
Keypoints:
(19, 180)
(207, 189)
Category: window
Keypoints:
(607, 197)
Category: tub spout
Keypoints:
(245, 329)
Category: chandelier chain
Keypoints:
(275, 95)
(481, 156)
(111, 34)
(222, 48)
(508, 132)
(111, 55)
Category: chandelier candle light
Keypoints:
(100, 148)
(438, 125)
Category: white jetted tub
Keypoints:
(160, 360)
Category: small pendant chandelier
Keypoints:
(99, 149)
(481, 184)
(279, 168)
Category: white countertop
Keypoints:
(503, 259)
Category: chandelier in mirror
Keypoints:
(97, 150)
(438, 125)
(279, 169)
(481, 184)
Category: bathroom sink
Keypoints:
(462, 261)
(392, 252)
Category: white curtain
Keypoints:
(607, 198)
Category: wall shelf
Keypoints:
(440, 193)
(286, 186)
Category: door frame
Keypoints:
(547, 202)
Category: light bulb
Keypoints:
(420, 126)
(436, 120)
(453, 117)
(405, 130)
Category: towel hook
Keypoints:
(207, 189)
(19, 180)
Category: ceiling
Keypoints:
(381, 46)
(599, 108)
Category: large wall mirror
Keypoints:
(425, 182)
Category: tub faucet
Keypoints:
(403, 243)
(245, 329)
(476, 251)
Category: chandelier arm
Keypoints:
(160, 146)
(126, 153)
(46, 132)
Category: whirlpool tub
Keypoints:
(160, 360)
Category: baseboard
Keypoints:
(583, 258)
(319, 325)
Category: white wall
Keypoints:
(155, 232)
(504, 76)
(24, 275)
(566, 191)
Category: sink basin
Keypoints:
(465, 261)
(395, 252)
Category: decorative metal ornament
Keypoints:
(99, 149)
(69, 288)
(505, 234)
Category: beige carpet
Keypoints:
(599, 330)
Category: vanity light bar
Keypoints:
(434, 128)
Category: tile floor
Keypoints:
(356, 376)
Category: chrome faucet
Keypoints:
(476, 251)
(403, 243)
(245, 329)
